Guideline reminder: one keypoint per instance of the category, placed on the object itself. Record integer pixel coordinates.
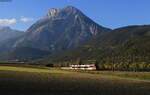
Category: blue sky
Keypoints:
(20, 14)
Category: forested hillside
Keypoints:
(126, 47)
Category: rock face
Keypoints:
(7, 33)
(60, 30)
(52, 12)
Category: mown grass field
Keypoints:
(38, 81)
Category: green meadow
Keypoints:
(37, 70)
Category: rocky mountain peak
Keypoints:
(63, 12)
(70, 8)
(52, 12)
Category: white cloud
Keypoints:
(8, 21)
(24, 19)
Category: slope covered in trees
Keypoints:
(128, 47)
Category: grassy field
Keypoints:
(132, 75)
(37, 81)
(36, 70)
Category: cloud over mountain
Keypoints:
(25, 19)
(8, 21)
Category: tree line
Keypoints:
(129, 63)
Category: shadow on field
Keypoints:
(23, 83)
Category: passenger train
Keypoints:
(80, 67)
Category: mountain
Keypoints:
(60, 30)
(122, 42)
(7, 33)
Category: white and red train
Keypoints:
(80, 67)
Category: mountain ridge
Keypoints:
(7, 33)
(61, 30)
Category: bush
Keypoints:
(49, 65)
